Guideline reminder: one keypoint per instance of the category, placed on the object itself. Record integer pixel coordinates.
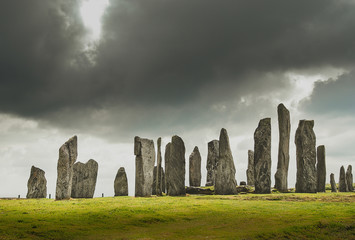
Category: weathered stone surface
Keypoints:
(167, 161)
(198, 190)
(333, 183)
(305, 141)
(158, 177)
(349, 179)
(250, 170)
(225, 183)
(321, 169)
(284, 147)
(145, 159)
(121, 183)
(162, 180)
(175, 170)
(84, 179)
(343, 186)
(212, 162)
(68, 153)
(195, 168)
(37, 184)
(262, 156)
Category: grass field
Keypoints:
(249, 216)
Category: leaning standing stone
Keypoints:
(176, 168)
(321, 169)
(212, 162)
(37, 184)
(349, 179)
(333, 183)
(84, 179)
(343, 186)
(145, 159)
(121, 183)
(67, 156)
(250, 170)
(195, 168)
(262, 156)
(225, 177)
(305, 141)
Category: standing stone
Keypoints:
(158, 177)
(212, 161)
(145, 159)
(225, 183)
(349, 179)
(284, 146)
(321, 169)
(84, 179)
(167, 161)
(37, 184)
(195, 168)
(121, 183)
(176, 168)
(67, 156)
(162, 180)
(343, 186)
(305, 141)
(250, 170)
(332, 183)
(262, 156)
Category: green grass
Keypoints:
(248, 216)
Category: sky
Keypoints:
(110, 70)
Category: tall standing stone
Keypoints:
(145, 159)
(250, 170)
(121, 183)
(343, 186)
(349, 179)
(37, 184)
(212, 161)
(68, 153)
(333, 183)
(167, 161)
(284, 147)
(321, 169)
(176, 168)
(158, 179)
(195, 168)
(162, 180)
(262, 156)
(305, 141)
(225, 183)
(84, 179)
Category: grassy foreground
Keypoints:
(250, 216)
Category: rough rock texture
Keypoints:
(305, 141)
(162, 180)
(198, 190)
(68, 153)
(158, 177)
(262, 156)
(167, 160)
(121, 183)
(37, 184)
(333, 183)
(349, 179)
(343, 186)
(145, 159)
(321, 169)
(284, 147)
(212, 161)
(195, 168)
(250, 170)
(84, 179)
(225, 183)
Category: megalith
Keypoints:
(162, 180)
(175, 170)
(121, 183)
(145, 159)
(262, 156)
(284, 148)
(321, 169)
(195, 168)
(84, 179)
(68, 153)
(250, 170)
(225, 183)
(343, 186)
(212, 161)
(158, 177)
(167, 161)
(349, 179)
(37, 184)
(333, 183)
(305, 141)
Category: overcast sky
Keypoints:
(107, 71)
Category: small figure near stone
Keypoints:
(349, 179)
(37, 184)
(68, 153)
(195, 168)
(250, 170)
(84, 179)
(333, 183)
(175, 170)
(121, 183)
(321, 169)
(225, 183)
(343, 186)
(212, 162)
(158, 177)
(145, 159)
